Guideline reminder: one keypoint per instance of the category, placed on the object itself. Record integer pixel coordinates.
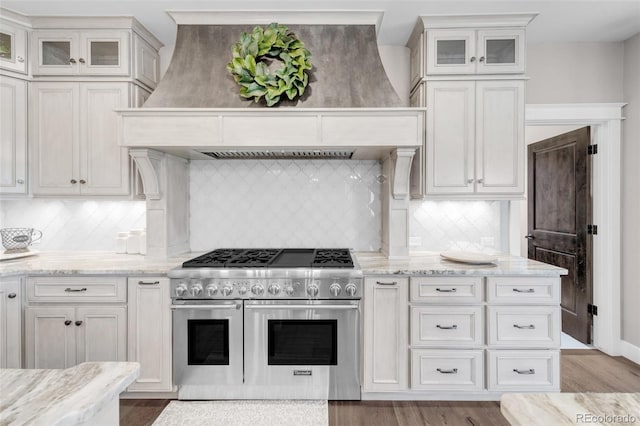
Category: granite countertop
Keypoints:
(570, 408)
(371, 263)
(374, 263)
(62, 397)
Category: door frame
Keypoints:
(605, 120)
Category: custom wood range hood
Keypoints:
(349, 110)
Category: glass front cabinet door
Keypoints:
(87, 53)
(13, 47)
(490, 51)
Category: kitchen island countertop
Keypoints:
(371, 263)
(77, 395)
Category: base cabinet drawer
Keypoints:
(446, 326)
(77, 289)
(535, 370)
(446, 289)
(524, 326)
(523, 290)
(450, 370)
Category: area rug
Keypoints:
(245, 413)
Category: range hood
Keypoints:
(350, 109)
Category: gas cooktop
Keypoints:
(273, 258)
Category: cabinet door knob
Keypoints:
(78, 323)
(529, 237)
(72, 61)
(481, 59)
(470, 180)
(20, 59)
(20, 181)
(81, 60)
(73, 181)
(67, 322)
(480, 180)
(472, 59)
(82, 181)
(11, 295)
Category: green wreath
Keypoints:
(252, 56)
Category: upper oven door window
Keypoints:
(303, 342)
(208, 342)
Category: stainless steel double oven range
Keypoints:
(267, 324)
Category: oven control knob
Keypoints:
(312, 290)
(212, 290)
(274, 289)
(195, 290)
(335, 289)
(242, 290)
(181, 290)
(289, 290)
(351, 289)
(227, 290)
(257, 289)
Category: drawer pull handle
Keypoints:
(383, 283)
(148, 282)
(67, 322)
(525, 327)
(78, 323)
(452, 371)
(529, 371)
(519, 290)
(75, 290)
(11, 295)
(447, 327)
(446, 290)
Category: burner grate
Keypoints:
(254, 258)
(214, 259)
(334, 258)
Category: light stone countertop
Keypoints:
(371, 263)
(542, 409)
(62, 397)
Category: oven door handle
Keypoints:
(209, 307)
(332, 307)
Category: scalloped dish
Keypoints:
(469, 257)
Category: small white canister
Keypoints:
(133, 241)
(121, 242)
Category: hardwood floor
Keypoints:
(581, 371)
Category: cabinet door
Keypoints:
(56, 142)
(10, 323)
(104, 165)
(104, 53)
(101, 334)
(149, 342)
(147, 63)
(451, 52)
(450, 137)
(50, 340)
(13, 135)
(13, 47)
(386, 330)
(500, 137)
(56, 52)
(500, 51)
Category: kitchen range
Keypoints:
(267, 323)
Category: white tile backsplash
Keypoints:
(73, 224)
(285, 203)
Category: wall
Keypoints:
(73, 224)
(574, 72)
(630, 194)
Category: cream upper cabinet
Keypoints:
(13, 47)
(491, 51)
(95, 52)
(75, 147)
(13, 135)
(475, 137)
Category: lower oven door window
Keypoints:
(302, 342)
(208, 342)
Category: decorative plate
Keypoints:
(468, 257)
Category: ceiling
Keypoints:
(559, 21)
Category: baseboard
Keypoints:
(149, 395)
(630, 351)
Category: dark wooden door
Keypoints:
(559, 210)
